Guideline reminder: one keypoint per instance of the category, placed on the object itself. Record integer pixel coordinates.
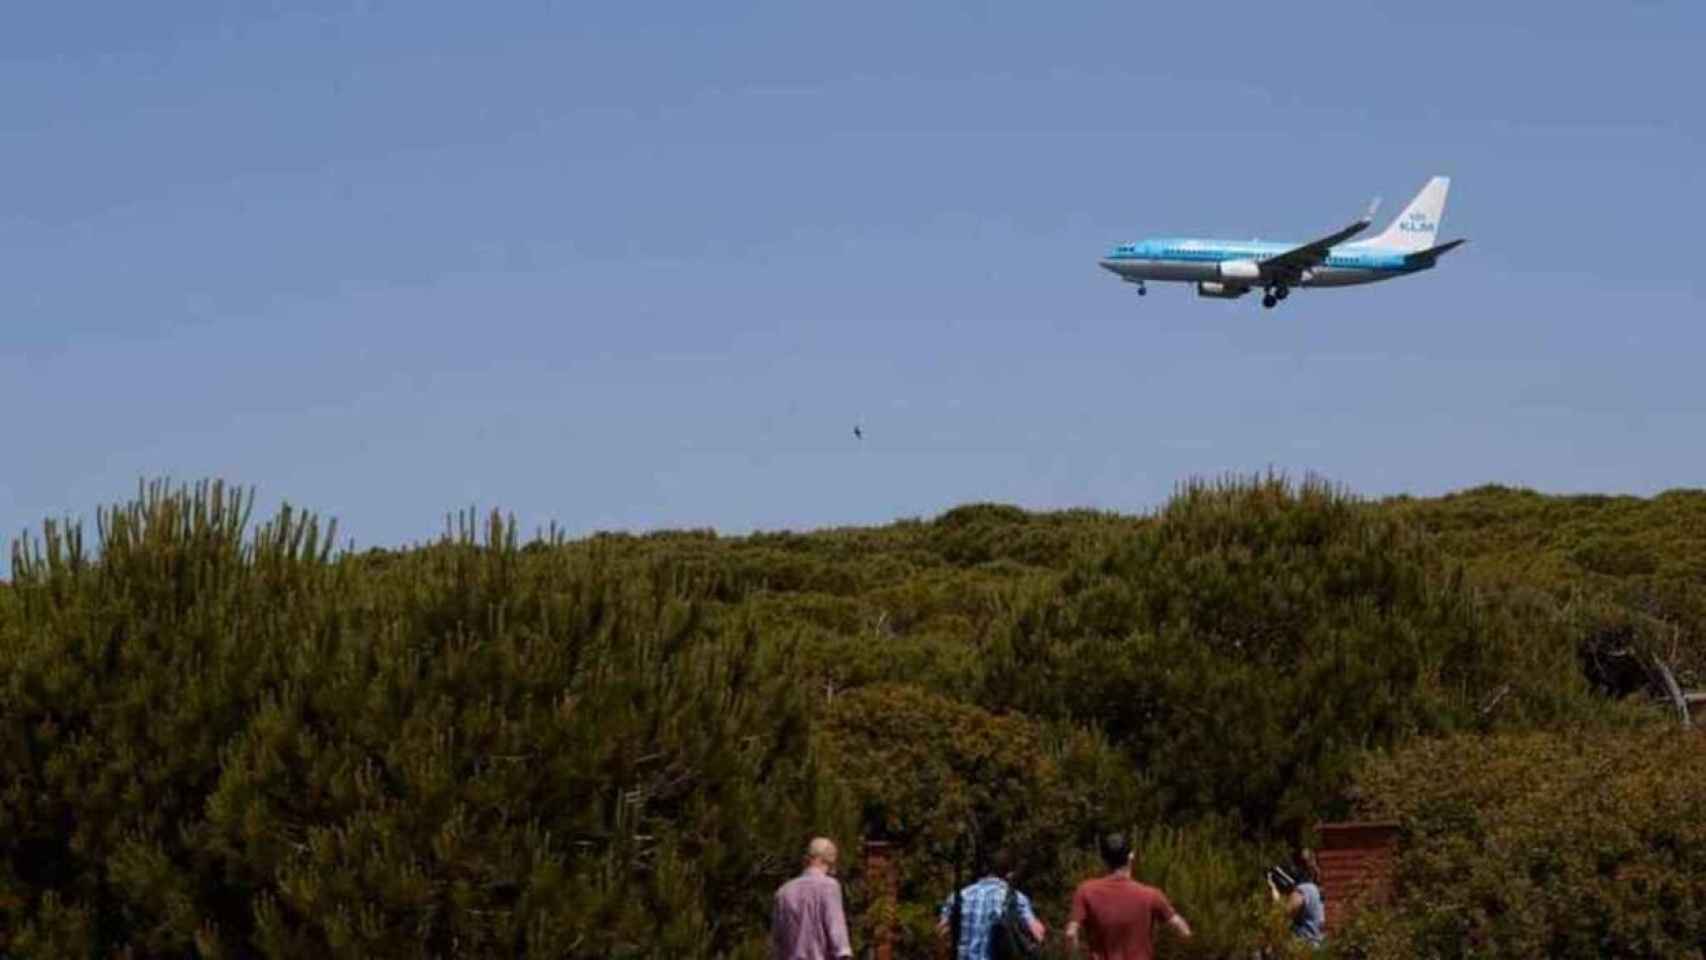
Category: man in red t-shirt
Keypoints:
(1115, 915)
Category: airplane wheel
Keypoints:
(1268, 300)
(1280, 293)
(1143, 291)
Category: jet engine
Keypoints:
(1220, 291)
(1247, 270)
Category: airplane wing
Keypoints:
(1289, 266)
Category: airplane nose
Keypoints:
(1112, 266)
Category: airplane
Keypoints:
(1228, 269)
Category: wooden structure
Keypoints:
(1356, 861)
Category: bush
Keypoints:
(950, 781)
(1248, 645)
(247, 748)
(1542, 844)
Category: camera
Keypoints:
(1282, 879)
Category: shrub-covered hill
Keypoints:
(227, 739)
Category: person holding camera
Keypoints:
(1301, 897)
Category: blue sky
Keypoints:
(629, 266)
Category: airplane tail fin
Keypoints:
(1416, 226)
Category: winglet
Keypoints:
(1373, 205)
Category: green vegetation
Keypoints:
(227, 740)
(1544, 845)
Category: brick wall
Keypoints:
(880, 881)
(1356, 861)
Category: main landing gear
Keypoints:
(1275, 294)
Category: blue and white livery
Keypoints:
(1227, 269)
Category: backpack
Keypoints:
(1011, 937)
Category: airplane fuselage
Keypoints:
(1230, 262)
(1228, 269)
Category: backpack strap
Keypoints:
(956, 922)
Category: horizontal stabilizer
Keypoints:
(1433, 253)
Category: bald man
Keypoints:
(809, 923)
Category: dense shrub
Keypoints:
(246, 748)
(948, 780)
(1634, 568)
(1543, 845)
(1248, 644)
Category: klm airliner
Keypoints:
(1228, 269)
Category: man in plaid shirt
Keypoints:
(980, 909)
